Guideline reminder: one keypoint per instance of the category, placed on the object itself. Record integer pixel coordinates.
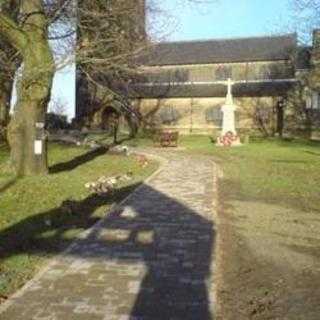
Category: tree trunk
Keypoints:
(26, 130)
(26, 133)
(280, 120)
(133, 124)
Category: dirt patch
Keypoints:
(268, 261)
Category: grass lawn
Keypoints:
(40, 216)
(272, 171)
(269, 228)
(268, 170)
(269, 222)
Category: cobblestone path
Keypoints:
(151, 258)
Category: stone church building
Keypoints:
(182, 85)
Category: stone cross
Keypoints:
(228, 121)
(228, 110)
(230, 83)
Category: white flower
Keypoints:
(88, 185)
(112, 180)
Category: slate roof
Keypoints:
(221, 51)
(252, 89)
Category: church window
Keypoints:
(223, 73)
(313, 100)
(214, 115)
(169, 115)
(181, 75)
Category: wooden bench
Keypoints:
(167, 138)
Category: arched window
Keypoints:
(313, 100)
(223, 73)
(169, 115)
(214, 115)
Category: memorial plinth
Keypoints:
(228, 136)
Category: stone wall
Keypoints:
(246, 71)
(203, 115)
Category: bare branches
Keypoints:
(306, 18)
(109, 33)
(11, 31)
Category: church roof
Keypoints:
(270, 48)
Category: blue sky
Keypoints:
(217, 19)
(228, 18)
(63, 89)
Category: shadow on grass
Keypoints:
(176, 253)
(292, 161)
(286, 142)
(313, 153)
(312, 251)
(8, 185)
(84, 158)
(234, 190)
(125, 139)
(298, 143)
(44, 232)
(79, 160)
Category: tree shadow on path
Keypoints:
(173, 241)
(176, 245)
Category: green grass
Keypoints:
(268, 170)
(275, 171)
(269, 224)
(269, 205)
(36, 222)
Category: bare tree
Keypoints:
(9, 63)
(110, 34)
(299, 118)
(27, 34)
(305, 18)
(7, 72)
(58, 106)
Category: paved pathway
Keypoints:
(152, 258)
